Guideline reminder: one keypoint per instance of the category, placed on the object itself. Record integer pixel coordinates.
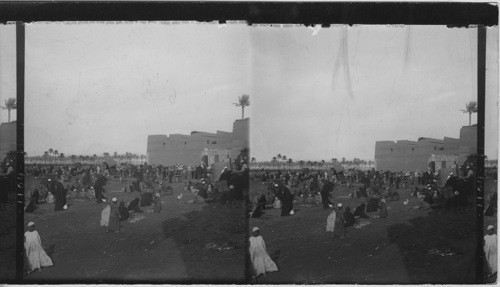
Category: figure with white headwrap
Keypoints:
(261, 261)
(37, 258)
(490, 249)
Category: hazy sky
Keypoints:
(405, 83)
(94, 88)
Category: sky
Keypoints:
(336, 93)
(95, 88)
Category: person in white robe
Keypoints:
(261, 261)
(37, 258)
(490, 249)
(330, 221)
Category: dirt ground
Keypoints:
(8, 229)
(185, 243)
(398, 249)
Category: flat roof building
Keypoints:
(189, 149)
(418, 155)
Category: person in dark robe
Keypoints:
(361, 211)
(134, 205)
(4, 189)
(114, 217)
(35, 196)
(287, 202)
(30, 208)
(60, 195)
(146, 199)
(124, 214)
(492, 207)
(383, 208)
(372, 205)
(340, 222)
(157, 203)
(349, 217)
(257, 213)
(262, 201)
(325, 193)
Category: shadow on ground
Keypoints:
(438, 248)
(212, 242)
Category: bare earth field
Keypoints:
(181, 244)
(398, 249)
(8, 229)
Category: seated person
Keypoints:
(349, 217)
(146, 199)
(124, 214)
(134, 205)
(361, 211)
(372, 205)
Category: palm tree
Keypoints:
(470, 107)
(274, 161)
(243, 101)
(290, 161)
(51, 151)
(10, 104)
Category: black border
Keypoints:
(326, 13)
(308, 13)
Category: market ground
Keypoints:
(406, 247)
(185, 243)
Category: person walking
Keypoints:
(490, 249)
(261, 261)
(37, 258)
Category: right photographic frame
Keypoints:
(369, 145)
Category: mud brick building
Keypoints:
(7, 138)
(426, 152)
(198, 146)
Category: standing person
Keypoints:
(114, 216)
(325, 193)
(287, 202)
(37, 257)
(330, 222)
(383, 208)
(340, 221)
(60, 196)
(490, 249)
(157, 203)
(261, 261)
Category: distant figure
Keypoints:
(50, 198)
(261, 261)
(124, 214)
(157, 203)
(114, 216)
(37, 257)
(257, 213)
(339, 222)
(146, 199)
(383, 208)
(490, 249)
(330, 221)
(349, 217)
(134, 205)
(105, 215)
(287, 204)
(361, 211)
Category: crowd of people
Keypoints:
(59, 185)
(432, 189)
